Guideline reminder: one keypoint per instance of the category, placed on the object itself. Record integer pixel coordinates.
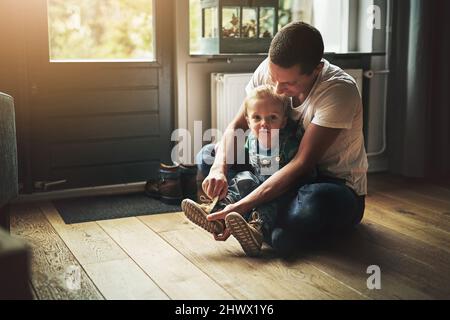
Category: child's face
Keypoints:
(264, 116)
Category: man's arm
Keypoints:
(216, 183)
(314, 144)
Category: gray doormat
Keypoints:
(87, 209)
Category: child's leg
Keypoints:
(267, 214)
(239, 187)
(250, 228)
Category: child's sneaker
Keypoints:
(197, 213)
(249, 235)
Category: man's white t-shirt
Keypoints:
(334, 102)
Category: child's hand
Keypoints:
(223, 236)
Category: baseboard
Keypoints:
(82, 192)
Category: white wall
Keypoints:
(192, 75)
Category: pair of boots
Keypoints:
(248, 234)
(176, 182)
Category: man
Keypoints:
(327, 103)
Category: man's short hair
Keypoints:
(268, 92)
(298, 43)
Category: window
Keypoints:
(100, 30)
(195, 25)
(330, 17)
(341, 22)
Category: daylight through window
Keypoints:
(101, 30)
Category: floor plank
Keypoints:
(88, 242)
(402, 276)
(173, 273)
(404, 193)
(116, 275)
(419, 251)
(407, 226)
(50, 257)
(350, 269)
(406, 231)
(426, 189)
(249, 278)
(124, 280)
(402, 208)
(168, 222)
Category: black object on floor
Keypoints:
(87, 209)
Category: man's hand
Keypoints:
(239, 207)
(220, 215)
(215, 185)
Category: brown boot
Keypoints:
(249, 235)
(167, 187)
(198, 213)
(188, 179)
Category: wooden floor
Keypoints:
(405, 231)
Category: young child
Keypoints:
(266, 113)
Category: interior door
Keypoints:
(102, 117)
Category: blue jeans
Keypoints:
(310, 212)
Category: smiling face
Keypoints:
(264, 115)
(291, 82)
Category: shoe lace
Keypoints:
(256, 221)
(205, 199)
(208, 204)
(219, 204)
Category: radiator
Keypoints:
(228, 93)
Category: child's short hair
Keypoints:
(268, 92)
